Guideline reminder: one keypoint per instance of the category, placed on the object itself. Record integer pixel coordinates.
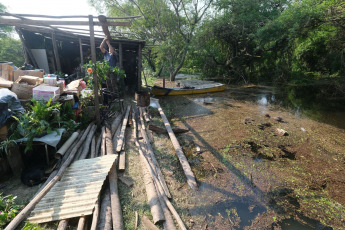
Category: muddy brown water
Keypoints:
(251, 178)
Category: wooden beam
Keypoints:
(50, 22)
(67, 16)
(56, 53)
(32, 58)
(81, 53)
(139, 66)
(95, 78)
(120, 55)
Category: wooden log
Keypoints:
(28, 208)
(64, 148)
(153, 161)
(82, 223)
(169, 221)
(148, 224)
(123, 128)
(98, 144)
(136, 220)
(56, 53)
(114, 194)
(104, 221)
(80, 150)
(160, 130)
(103, 20)
(116, 136)
(93, 147)
(183, 160)
(67, 16)
(146, 116)
(86, 148)
(95, 216)
(161, 191)
(152, 196)
(116, 123)
(103, 148)
(63, 224)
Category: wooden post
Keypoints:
(28, 51)
(56, 53)
(120, 56)
(139, 67)
(95, 78)
(81, 53)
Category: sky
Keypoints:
(49, 7)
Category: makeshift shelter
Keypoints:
(56, 45)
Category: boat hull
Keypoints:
(160, 91)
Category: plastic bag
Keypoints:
(9, 104)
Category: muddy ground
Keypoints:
(249, 176)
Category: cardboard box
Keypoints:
(5, 83)
(45, 92)
(19, 73)
(6, 71)
(50, 80)
(23, 86)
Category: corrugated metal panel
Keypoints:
(77, 191)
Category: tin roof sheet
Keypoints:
(77, 191)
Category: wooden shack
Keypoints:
(57, 45)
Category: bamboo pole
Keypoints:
(183, 160)
(116, 123)
(64, 148)
(105, 222)
(152, 196)
(152, 158)
(103, 148)
(98, 144)
(123, 128)
(86, 148)
(28, 208)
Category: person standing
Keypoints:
(111, 55)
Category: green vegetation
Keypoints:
(42, 119)
(8, 209)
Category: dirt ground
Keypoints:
(249, 176)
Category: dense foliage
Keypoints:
(10, 48)
(239, 40)
(8, 209)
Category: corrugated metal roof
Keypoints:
(77, 191)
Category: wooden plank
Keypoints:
(114, 194)
(95, 216)
(28, 51)
(122, 161)
(50, 22)
(95, 78)
(123, 128)
(183, 160)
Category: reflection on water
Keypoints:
(305, 101)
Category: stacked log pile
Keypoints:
(111, 140)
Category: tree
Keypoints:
(4, 30)
(169, 25)
(11, 50)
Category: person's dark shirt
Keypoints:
(111, 58)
